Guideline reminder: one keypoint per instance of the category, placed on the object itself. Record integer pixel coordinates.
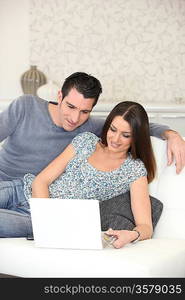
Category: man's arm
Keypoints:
(10, 117)
(175, 149)
(158, 130)
(175, 144)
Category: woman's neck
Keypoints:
(113, 155)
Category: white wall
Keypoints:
(135, 47)
(14, 49)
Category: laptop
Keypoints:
(66, 223)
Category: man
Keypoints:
(35, 132)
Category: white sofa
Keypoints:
(161, 256)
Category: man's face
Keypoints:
(73, 110)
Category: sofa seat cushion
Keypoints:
(149, 258)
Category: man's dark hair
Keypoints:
(87, 85)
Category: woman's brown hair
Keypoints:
(141, 146)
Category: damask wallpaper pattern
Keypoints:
(135, 47)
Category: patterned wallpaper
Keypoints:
(135, 47)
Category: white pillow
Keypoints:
(171, 192)
(160, 152)
(171, 188)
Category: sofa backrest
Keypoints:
(160, 149)
(169, 188)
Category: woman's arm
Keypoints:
(141, 209)
(40, 185)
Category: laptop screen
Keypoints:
(66, 223)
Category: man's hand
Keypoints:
(175, 149)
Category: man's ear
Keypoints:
(59, 97)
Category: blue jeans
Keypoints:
(15, 219)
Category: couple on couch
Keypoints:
(57, 150)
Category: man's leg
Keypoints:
(15, 224)
(15, 220)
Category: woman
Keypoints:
(94, 168)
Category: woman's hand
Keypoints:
(123, 237)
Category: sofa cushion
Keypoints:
(149, 258)
(160, 150)
(117, 214)
(171, 191)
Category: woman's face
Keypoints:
(119, 135)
